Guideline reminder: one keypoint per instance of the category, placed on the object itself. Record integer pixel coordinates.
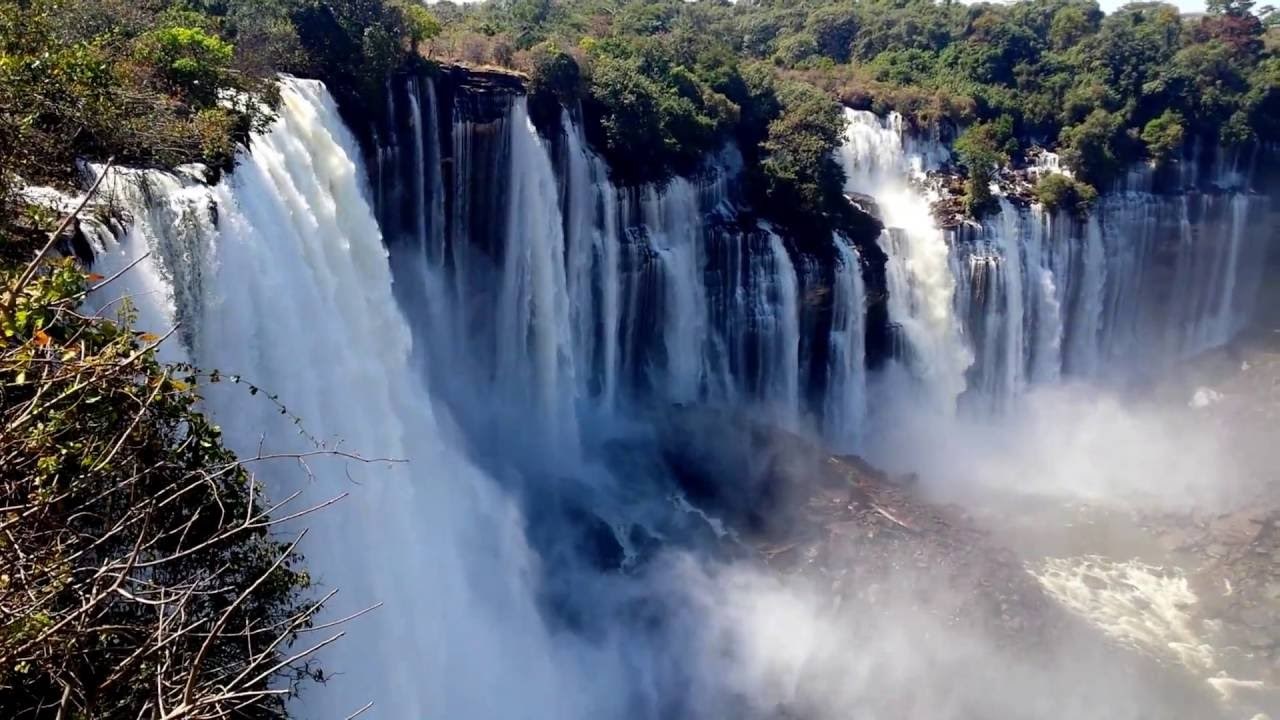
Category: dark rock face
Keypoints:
(480, 96)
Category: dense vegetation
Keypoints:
(139, 575)
(684, 76)
(167, 82)
(666, 76)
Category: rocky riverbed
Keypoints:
(882, 554)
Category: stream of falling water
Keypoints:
(921, 267)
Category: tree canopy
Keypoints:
(168, 82)
(1107, 90)
(155, 82)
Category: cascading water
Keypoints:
(593, 265)
(1031, 296)
(846, 392)
(278, 276)
(921, 269)
(164, 247)
(611, 295)
(291, 289)
(1145, 280)
(534, 348)
(673, 225)
(607, 295)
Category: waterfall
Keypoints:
(1083, 350)
(1145, 280)
(167, 227)
(996, 312)
(593, 265)
(674, 226)
(846, 400)
(523, 305)
(921, 270)
(290, 289)
(535, 349)
(784, 379)
(589, 297)
(598, 296)
(1045, 299)
(1029, 296)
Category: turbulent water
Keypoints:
(486, 319)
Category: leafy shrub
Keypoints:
(420, 25)
(637, 97)
(1060, 192)
(801, 178)
(833, 29)
(1090, 147)
(982, 148)
(1163, 136)
(188, 61)
(121, 500)
(796, 49)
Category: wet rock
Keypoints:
(865, 204)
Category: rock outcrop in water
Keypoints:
(879, 552)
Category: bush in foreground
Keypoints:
(140, 576)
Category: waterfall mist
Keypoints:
(543, 370)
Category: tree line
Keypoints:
(1106, 91)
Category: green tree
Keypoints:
(801, 176)
(420, 24)
(1059, 192)
(1072, 24)
(188, 61)
(833, 29)
(795, 49)
(1089, 148)
(1163, 136)
(981, 149)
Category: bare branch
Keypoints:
(34, 266)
